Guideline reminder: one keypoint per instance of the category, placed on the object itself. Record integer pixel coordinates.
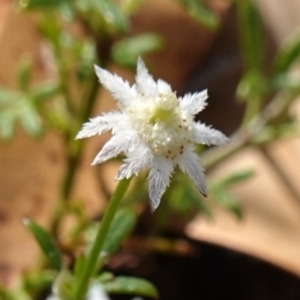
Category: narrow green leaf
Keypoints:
(46, 244)
(43, 91)
(105, 276)
(126, 51)
(222, 197)
(113, 16)
(103, 16)
(39, 280)
(7, 124)
(24, 73)
(251, 34)
(31, 121)
(287, 54)
(130, 6)
(132, 286)
(67, 12)
(202, 14)
(184, 198)
(237, 177)
(6, 96)
(252, 87)
(121, 227)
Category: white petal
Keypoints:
(144, 81)
(159, 178)
(194, 103)
(119, 89)
(189, 163)
(101, 124)
(205, 135)
(163, 87)
(96, 292)
(120, 142)
(136, 160)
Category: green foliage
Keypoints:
(63, 285)
(130, 6)
(46, 243)
(132, 286)
(107, 37)
(69, 51)
(15, 106)
(184, 198)
(252, 87)
(122, 225)
(24, 105)
(200, 13)
(221, 195)
(36, 281)
(103, 16)
(251, 34)
(287, 55)
(286, 128)
(126, 51)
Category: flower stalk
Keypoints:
(92, 258)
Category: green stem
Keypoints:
(91, 262)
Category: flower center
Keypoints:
(162, 124)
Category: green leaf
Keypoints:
(105, 276)
(51, 30)
(252, 87)
(112, 15)
(132, 286)
(15, 107)
(103, 16)
(126, 51)
(7, 125)
(43, 91)
(184, 198)
(39, 280)
(285, 81)
(121, 227)
(46, 244)
(31, 121)
(64, 285)
(7, 96)
(287, 55)
(251, 34)
(87, 57)
(24, 72)
(130, 6)
(199, 12)
(67, 11)
(237, 177)
(222, 197)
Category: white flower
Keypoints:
(154, 128)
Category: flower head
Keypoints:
(154, 128)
